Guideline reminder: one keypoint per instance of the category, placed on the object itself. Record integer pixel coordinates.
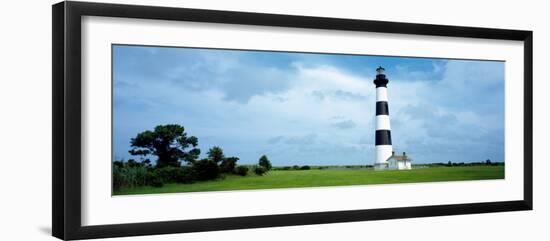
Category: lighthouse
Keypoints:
(383, 131)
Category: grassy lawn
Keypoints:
(320, 178)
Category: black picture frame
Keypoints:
(66, 158)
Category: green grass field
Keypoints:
(324, 178)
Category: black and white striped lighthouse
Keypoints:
(383, 131)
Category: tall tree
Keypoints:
(169, 143)
(264, 162)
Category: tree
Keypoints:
(147, 163)
(226, 164)
(488, 162)
(264, 162)
(169, 143)
(216, 154)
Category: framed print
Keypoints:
(171, 120)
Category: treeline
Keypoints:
(177, 161)
(487, 162)
(295, 167)
(307, 167)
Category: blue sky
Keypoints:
(316, 109)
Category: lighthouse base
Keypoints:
(380, 166)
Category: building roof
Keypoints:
(399, 158)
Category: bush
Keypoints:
(169, 174)
(260, 170)
(118, 163)
(154, 180)
(241, 170)
(165, 174)
(132, 174)
(206, 169)
(228, 164)
(157, 183)
(186, 175)
(128, 176)
(306, 167)
(118, 177)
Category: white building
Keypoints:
(397, 162)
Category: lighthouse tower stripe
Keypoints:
(382, 108)
(383, 122)
(383, 137)
(381, 94)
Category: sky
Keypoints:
(309, 108)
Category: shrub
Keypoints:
(118, 177)
(241, 170)
(157, 183)
(306, 167)
(228, 164)
(186, 175)
(118, 163)
(124, 175)
(169, 174)
(260, 170)
(206, 169)
(165, 174)
(154, 180)
(133, 175)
